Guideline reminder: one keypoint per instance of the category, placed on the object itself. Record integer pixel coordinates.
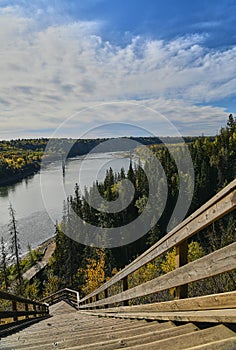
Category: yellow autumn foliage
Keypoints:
(144, 274)
(169, 262)
(94, 274)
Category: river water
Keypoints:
(38, 200)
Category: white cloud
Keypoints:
(50, 72)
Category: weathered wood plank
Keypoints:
(211, 316)
(220, 261)
(8, 296)
(206, 302)
(215, 208)
(16, 314)
(225, 344)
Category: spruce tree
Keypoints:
(15, 245)
(4, 264)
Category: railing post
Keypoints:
(46, 309)
(124, 288)
(14, 308)
(35, 310)
(106, 296)
(97, 299)
(27, 310)
(181, 292)
(77, 298)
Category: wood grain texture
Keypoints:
(206, 302)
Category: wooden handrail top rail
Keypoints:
(8, 296)
(218, 206)
(61, 291)
(220, 261)
(11, 314)
(13, 311)
(217, 301)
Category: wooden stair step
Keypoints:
(182, 342)
(110, 336)
(225, 344)
(68, 334)
(127, 342)
(84, 331)
(215, 316)
(75, 325)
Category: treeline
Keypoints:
(22, 157)
(85, 267)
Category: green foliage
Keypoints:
(214, 163)
(82, 267)
(51, 285)
(19, 157)
(32, 290)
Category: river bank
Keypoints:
(19, 176)
(38, 201)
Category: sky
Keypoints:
(104, 68)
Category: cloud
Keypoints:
(207, 24)
(50, 72)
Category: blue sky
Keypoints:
(154, 64)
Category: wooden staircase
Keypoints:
(96, 322)
(73, 330)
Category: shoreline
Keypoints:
(14, 179)
(42, 246)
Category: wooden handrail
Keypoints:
(66, 293)
(8, 296)
(39, 309)
(217, 207)
(222, 260)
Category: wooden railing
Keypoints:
(14, 309)
(220, 261)
(65, 294)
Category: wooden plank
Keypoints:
(206, 302)
(220, 261)
(27, 311)
(9, 328)
(212, 316)
(65, 293)
(221, 204)
(14, 310)
(225, 344)
(124, 288)
(16, 314)
(8, 296)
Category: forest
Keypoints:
(21, 158)
(84, 267)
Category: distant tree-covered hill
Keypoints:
(21, 157)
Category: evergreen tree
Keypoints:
(214, 161)
(4, 264)
(15, 246)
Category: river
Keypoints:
(33, 221)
